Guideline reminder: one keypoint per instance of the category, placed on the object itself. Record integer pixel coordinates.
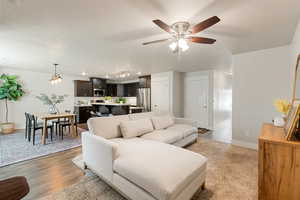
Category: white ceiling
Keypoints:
(101, 37)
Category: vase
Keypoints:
(278, 121)
(53, 109)
(284, 117)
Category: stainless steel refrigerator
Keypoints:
(144, 99)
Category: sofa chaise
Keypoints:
(140, 156)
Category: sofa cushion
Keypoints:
(144, 115)
(161, 122)
(185, 129)
(162, 170)
(163, 136)
(134, 128)
(107, 127)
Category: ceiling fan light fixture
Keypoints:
(173, 46)
(182, 44)
(182, 33)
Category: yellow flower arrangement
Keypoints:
(282, 106)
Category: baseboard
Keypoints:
(248, 145)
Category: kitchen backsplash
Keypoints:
(87, 100)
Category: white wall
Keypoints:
(222, 94)
(35, 83)
(222, 106)
(259, 78)
(177, 93)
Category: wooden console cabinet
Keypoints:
(279, 165)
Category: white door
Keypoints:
(196, 99)
(160, 95)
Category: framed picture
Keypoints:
(296, 85)
(292, 120)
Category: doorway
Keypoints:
(197, 98)
(159, 87)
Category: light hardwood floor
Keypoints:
(47, 174)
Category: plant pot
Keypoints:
(8, 127)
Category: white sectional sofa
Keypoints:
(140, 156)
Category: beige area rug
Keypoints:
(231, 175)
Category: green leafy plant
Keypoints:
(121, 99)
(108, 98)
(10, 90)
(52, 100)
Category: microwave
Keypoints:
(99, 92)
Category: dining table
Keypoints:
(47, 117)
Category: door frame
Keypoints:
(197, 76)
(160, 79)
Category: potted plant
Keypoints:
(283, 107)
(121, 100)
(52, 101)
(107, 99)
(10, 90)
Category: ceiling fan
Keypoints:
(181, 33)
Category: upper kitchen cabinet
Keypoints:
(111, 90)
(145, 81)
(120, 90)
(83, 88)
(130, 89)
(99, 86)
(98, 83)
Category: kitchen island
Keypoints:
(113, 108)
(112, 104)
(86, 111)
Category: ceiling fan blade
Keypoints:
(201, 40)
(205, 24)
(163, 25)
(156, 41)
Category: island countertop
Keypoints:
(112, 104)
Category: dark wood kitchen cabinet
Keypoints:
(130, 89)
(83, 88)
(111, 90)
(83, 113)
(145, 81)
(98, 83)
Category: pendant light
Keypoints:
(56, 78)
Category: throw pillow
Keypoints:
(162, 122)
(135, 128)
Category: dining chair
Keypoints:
(27, 125)
(67, 123)
(56, 122)
(35, 125)
(104, 111)
(95, 114)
